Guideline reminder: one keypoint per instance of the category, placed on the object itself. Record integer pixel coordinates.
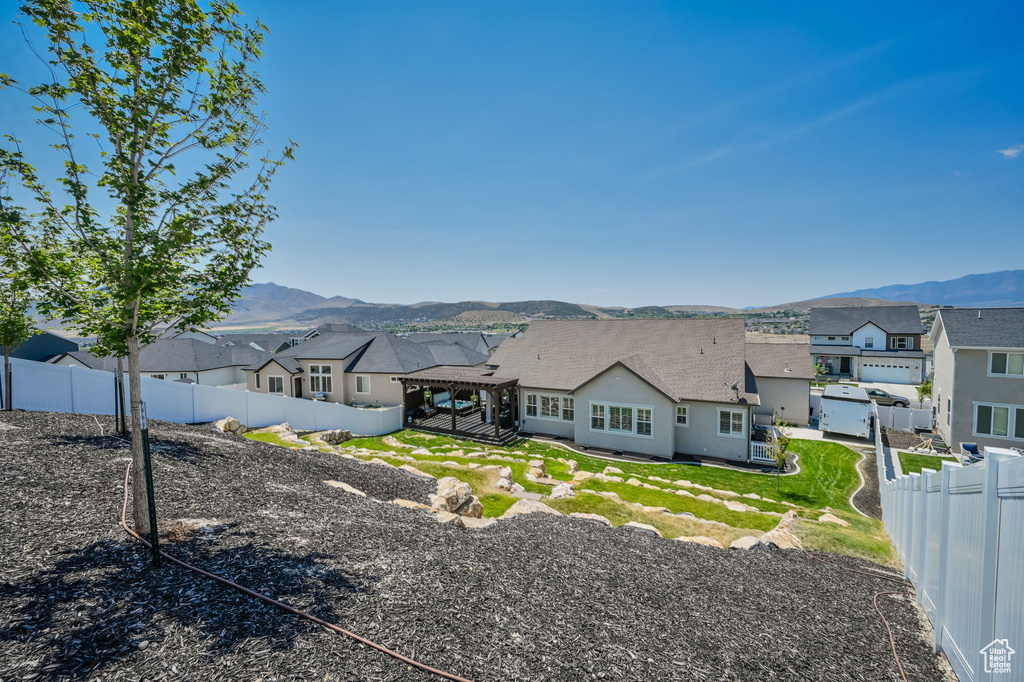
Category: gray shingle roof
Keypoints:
(467, 339)
(780, 360)
(455, 354)
(180, 355)
(984, 327)
(268, 342)
(894, 319)
(687, 359)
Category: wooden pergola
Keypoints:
(454, 379)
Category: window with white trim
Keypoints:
(395, 380)
(531, 404)
(1006, 364)
(597, 416)
(549, 406)
(158, 376)
(731, 422)
(902, 343)
(846, 338)
(620, 418)
(869, 342)
(643, 421)
(257, 380)
(682, 415)
(320, 379)
(183, 375)
(568, 409)
(275, 384)
(999, 421)
(362, 383)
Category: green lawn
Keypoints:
(913, 462)
(271, 438)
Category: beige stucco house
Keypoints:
(655, 387)
(978, 387)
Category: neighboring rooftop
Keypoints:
(893, 319)
(272, 343)
(780, 360)
(695, 359)
(982, 327)
(179, 355)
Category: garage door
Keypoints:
(893, 372)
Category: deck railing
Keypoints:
(762, 452)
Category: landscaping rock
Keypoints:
(563, 490)
(535, 471)
(393, 442)
(410, 469)
(330, 438)
(539, 464)
(745, 542)
(180, 530)
(582, 475)
(449, 518)
(739, 506)
(659, 478)
(421, 451)
(752, 496)
(226, 425)
(346, 487)
(437, 502)
(649, 486)
(655, 510)
(782, 536)
(726, 493)
(528, 507)
(378, 460)
(574, 466)
(516, 489)
(411, 504)
(632, 481)
(832, 518)
(612, 470)
(591, 517)
(641, 527)
(477, 523)
(471, 508)
(504, 484)
(610, 494)
(453, 490)
(683, 482)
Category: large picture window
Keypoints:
(630, 420)
(550, 406)
(730, 423)
(320, 379)
(1006, 364)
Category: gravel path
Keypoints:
(535, 598)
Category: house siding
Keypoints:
(972, 384)
(382, 391)
(543, 425)
(620, 386)
(269, 370)
(701, 436)
(787, 399)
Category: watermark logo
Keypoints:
(997, 656)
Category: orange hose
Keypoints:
(274, 602)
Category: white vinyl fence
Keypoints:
(40, 386)
(904, 418)
(960, 534)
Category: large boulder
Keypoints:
(574, 466)
(563, 490)
(782, 535)
(477, 523)
(700, 540)
(536, 472)
(504, 484)
(538, 464)
(392, 442)
(745, 542)
(346, 487)
(410, 469)
(471, 508)
(612, 470)
(591, 517)
(410, 504)
(632, 481)
(528, 507)
(421, 451)
(582, 475)
(832, 518)
(453, 490)
(449, 518)
(641, 527)
(739, 506)
(227, 425)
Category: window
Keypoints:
(620, 418)
(549, 406)
(902, 343)
(949, 411)
(831, 338)
(183, 375)
(257, 380)
(999, 421)
(869, 342)
(320, 379)
(846, 338)
(362, 383)
(643, 421)
(158, 376)
(395, 380)
(531, 404)
(730, 423)
(682, 415)
(1006, 364)
(568, 409)
(275, 384)
(597, 417)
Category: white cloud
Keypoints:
(1012, 152)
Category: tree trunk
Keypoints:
(140, 502)
(8, 405)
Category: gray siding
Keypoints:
(621, 386)
(538, 424)
(701, 436)
(788, 399)
(942, 385)
(972, 384)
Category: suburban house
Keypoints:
(269, 342)
(657, 387)
(353, 367)
(978, 389)
(180, 359)
(42, 347)
(869, 343)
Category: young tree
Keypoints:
(924, 390)
(170, 87)
(778, 438)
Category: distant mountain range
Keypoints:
(280, 306)
(992, 290)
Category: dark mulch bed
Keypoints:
(900, 440)
(869, 498)
(535, 598)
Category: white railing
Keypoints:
(763, 452)
(957, 531)
(40, 386)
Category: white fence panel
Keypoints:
(55, 388)
(1009, 602)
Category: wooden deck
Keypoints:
(467, 425)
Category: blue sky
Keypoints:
(636, 153)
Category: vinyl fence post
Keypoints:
(942, 592)
(989, 556)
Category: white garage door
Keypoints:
(893, 372)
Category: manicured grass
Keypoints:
(670, 526)
(828, 471)
(271, 438)
(913, 462)
(865, 538)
